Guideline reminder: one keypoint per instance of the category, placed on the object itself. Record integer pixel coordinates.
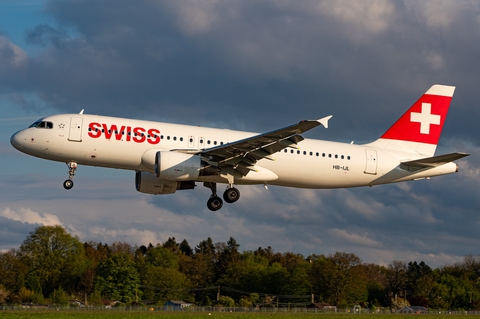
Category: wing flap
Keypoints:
(263, 145)
(435, 161)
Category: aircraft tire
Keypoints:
(214, 203)
(231, 195)
(68, 184)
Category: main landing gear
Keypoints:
(72, 166)
(214, 203)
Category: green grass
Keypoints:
(52, 314)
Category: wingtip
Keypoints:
(324, 120)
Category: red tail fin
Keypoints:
(423, 122)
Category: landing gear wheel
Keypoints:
(214, 203)
(68, 184)
(231, 195)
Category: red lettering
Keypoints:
(139, 135)
(129, 133)
(94, 130)
(107, 131)
(154, 136)
(119, 134)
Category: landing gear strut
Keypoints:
(214, 203)
(72, 167)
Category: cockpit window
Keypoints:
(42, 124)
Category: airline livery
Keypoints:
(170, 157)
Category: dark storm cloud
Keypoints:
(240, 64)
(12, 232)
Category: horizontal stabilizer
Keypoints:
(435, 161)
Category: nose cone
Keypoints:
(16, 140)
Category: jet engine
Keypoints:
(150, 184)
(175, 166)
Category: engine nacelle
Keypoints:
(176, 166)
(150, 184)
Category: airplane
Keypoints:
(169, 157)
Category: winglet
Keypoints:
(324, 121)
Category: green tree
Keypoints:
(172, 245)
(396, 276)
(340, 280)
(56, 257)
(4, 293)
(95, 298)
(160, 274)
(376, 284)
(201, 271)
(227, 255)
(117, 278)
(162, 257)
(12, 271)
(415, 271)
(95, 253)
(59, 297)
(185, 248)
(252, 272)
(162, 284)
(226, 301)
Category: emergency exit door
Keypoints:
(371, 163)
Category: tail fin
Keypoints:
(419, 129)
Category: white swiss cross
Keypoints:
(426, 118)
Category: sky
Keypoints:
(248, 65)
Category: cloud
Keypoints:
(348, 238)
(195, 18)
(11, 55)
(371, 16)
(26, 215)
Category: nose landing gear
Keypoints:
(72, 166)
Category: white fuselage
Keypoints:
(118, 143)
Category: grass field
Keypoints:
(49, 314)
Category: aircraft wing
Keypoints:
(435, 160)
(243, 154)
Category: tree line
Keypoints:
(52, 266)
